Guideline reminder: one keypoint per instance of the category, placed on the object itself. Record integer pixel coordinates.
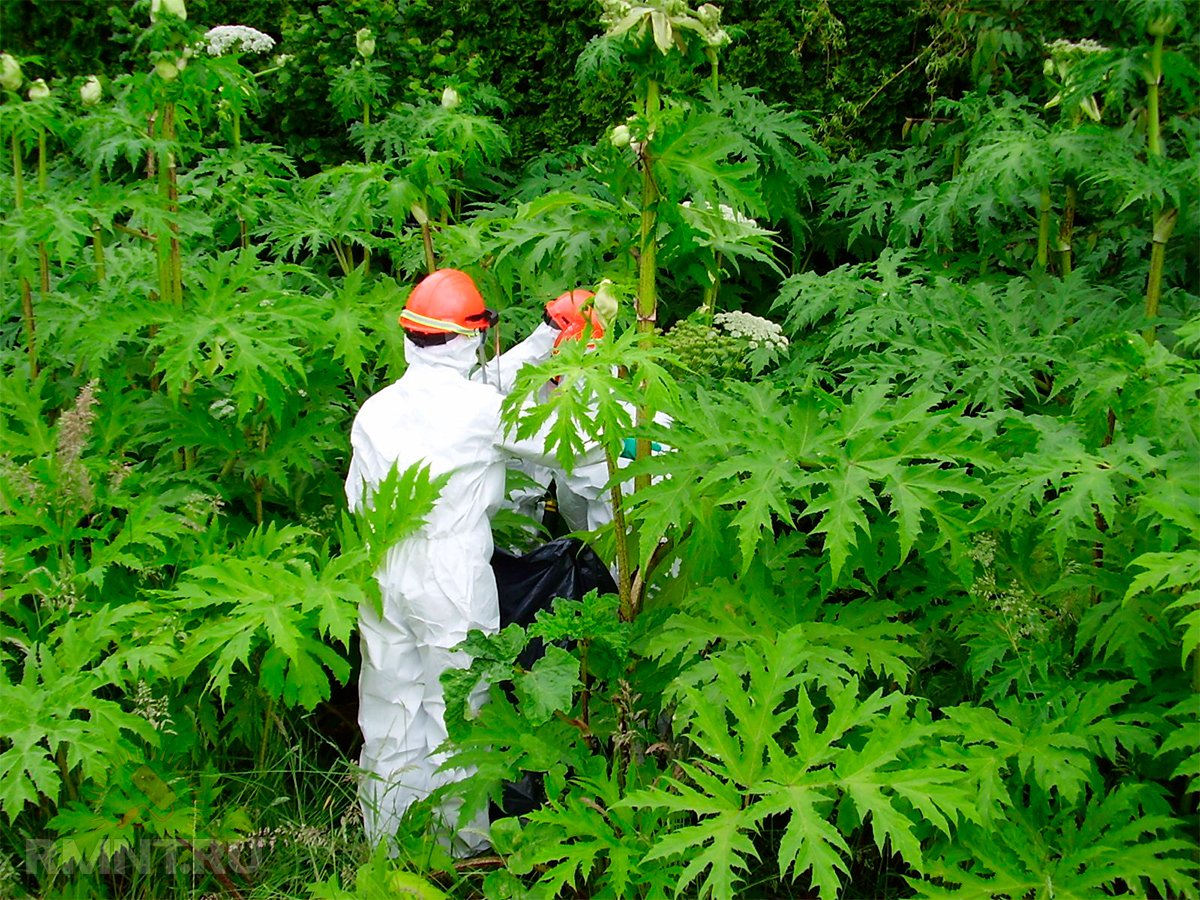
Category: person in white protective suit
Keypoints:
(437, 584)
(566, 317)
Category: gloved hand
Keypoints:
(606, 303)
(629, 448)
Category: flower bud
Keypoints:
(166, 70)
(170, 7)
(91, 91)
(450, 98)
(418, 212)
(606, 303)
(1048, 68)
(39, 90)
(1160, 26)
(709, 15)
(10, 72)
(364, 40)
(620, 136)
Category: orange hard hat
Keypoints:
(447, 302)
(568, 313)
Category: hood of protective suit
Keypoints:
(460, 354)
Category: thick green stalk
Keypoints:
(43, 256)
(18, 172)
(1066, 230)
(1164, 224)
(647, 298)
(26, 291)
(621, 534)
(1163, 219)
(97, 235)
(1153, 125)
(176, 258)
(98, 250)
(709, 302)
(427, 241)
(366, 123)
(1043, 245)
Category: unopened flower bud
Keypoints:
(364, 40)
(450, 98)
(1048, 68)
(1160, 26)
(606, 303)
(170, 7)
(709, 15)
(39, 90)
(620, 136)
(91, 91)
(418, 212)
(166, 70)
(10, 72)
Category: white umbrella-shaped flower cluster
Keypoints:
(223, 39)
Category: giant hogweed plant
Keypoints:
(139, 633)
(1069, 181)
(889, 533)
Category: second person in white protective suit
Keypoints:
(437, 584)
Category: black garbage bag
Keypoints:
(565, 567)
(528, 583)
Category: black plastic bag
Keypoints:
(566, 567)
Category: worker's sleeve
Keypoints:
(365, 468)
(533, 448)
(501, 372)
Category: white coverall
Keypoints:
(437, 584)
(501, 373)
(584, 501)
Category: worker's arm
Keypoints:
(501, 372)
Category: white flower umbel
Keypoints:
(224, 39)
(1063, 47)
(758, 331)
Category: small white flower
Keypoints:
(224, 39)
(91, 91)
(364, 41)
(450, 98)
(39, 90)
(10, 72)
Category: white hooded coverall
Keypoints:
(437, 584)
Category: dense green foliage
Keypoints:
(910, 595)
